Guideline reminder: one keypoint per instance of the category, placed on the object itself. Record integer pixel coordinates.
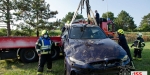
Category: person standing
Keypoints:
(43, 48)
(97, 17)
(138, 46)
(123, 43)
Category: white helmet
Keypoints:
(139, 35)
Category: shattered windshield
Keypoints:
(87, 33)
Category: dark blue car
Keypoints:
(88, 51)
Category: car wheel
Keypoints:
(125, 71)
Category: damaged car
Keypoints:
(88, 51)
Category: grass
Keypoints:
(15, 67)
(143, 65)
(10, 67)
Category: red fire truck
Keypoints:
(24, 48)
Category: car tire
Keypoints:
(28, 55)
(55, 53)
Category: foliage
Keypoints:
(145, 23)
(69, 17)
(109, 14)
(35, 14)
(30, 32)
(6, 16)
(3, 32)
(125, 21)
(131, 36)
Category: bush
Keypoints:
(131, 36)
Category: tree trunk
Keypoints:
(37, 32)
(8, 19)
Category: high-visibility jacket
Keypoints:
(43, 45)
(138, 43)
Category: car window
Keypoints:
(87, 33)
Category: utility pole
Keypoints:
(106, 8)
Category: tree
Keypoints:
(110, 15)
(6, 6)
(35, 13)
(3, 32)
(125, 21)
(69, 17)
(145, 23)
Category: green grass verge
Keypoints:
(9, 67)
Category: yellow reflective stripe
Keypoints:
(46, 47)
(38, 44)
(138, 43)
(37, 49)
(42, 42)
(143, 44)
(45, 52)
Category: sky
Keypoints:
(136, 8)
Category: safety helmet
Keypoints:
(120, 31)
(139, 35)
(44, 32)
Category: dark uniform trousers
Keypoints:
(44, 58)
(137, 52)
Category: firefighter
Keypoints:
(123, 43)
(43, 48)
(97, 17)
(138, 46)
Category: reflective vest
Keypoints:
(138, 44)
(45, 44)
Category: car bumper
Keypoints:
(89, 71)
(96, 68)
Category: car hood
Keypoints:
(94, 50)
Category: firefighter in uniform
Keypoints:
(43, 48)
(123, 43)
(138, 46)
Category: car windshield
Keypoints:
(87, 33)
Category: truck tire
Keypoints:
(55, 53)
(28, 55)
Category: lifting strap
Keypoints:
(88, 12)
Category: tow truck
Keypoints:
(23, 48)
